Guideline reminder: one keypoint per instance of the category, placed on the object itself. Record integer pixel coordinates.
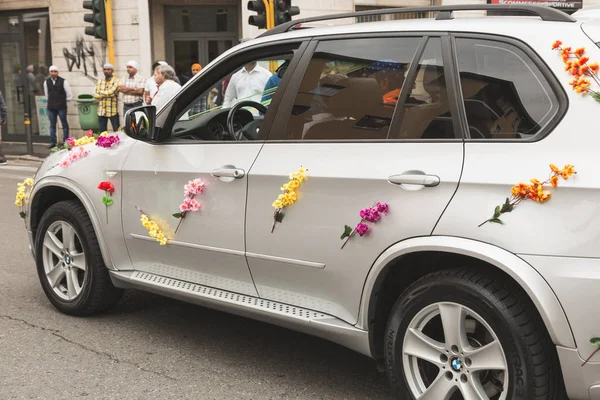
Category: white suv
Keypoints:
(335, 181)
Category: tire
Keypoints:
(80, 284)
(498, 350)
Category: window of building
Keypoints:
(350, 89)
(505, 94)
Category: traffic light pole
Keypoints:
(109, 31)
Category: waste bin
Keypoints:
(87, 106)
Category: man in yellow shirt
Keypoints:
(107, 93)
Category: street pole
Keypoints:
(28, 137)
(109, 31)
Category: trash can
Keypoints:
(87, 106)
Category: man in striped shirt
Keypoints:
(106, 93)
(132, 87)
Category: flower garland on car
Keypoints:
(73, 156)
(576, 63)
(23, 194)
(533, 191)
(371, 214)
(289, 195)
(153, 229)
(71, 142)
(107, 141)
(191, 190)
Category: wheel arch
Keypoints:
(52, 190)
(413, 258)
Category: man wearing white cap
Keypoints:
(106, 93)
(58, 92)
(132, 87)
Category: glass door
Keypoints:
(13, 88)
(186, 52)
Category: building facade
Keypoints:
(35, 34)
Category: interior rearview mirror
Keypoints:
(140, 123)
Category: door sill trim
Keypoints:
(191, 245)
(300, 319)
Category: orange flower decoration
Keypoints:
(576, 63)
(532, 191)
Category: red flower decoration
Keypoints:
(107, 186)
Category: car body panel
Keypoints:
(339, 184)
(209, 246)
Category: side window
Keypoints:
(255, 80)
(427, 110)
(505, 94)
(350, 89)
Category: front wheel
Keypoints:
(460, 334)
(69, 263)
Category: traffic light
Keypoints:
(260, 19)
(98, 18)
(284, 11)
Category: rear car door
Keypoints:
(371, 119)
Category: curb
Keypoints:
(24, 158)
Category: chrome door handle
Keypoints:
(415, 179)
(228, 172)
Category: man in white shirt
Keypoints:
(246, 84)
(166, 87)
(58, 92)
(150, 87)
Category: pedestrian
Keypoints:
(58, 92)
(166, 86)
(196, 68)
(246, 84)
(106, 92)
(150, 87)
(132, 87)
(3, 116)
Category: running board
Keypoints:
(296, 318)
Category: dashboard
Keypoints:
(211, 126)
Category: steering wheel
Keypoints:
(243, 134)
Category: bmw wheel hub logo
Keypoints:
(68, 260)
(456, 364)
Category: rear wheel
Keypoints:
(69, 263)
(462, 335)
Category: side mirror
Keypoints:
(140, 123)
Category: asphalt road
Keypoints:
(151, 347)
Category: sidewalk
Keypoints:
(18, 151)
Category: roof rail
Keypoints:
(444, 13)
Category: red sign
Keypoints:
(562, 4)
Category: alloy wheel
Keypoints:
(64, 260)
(450, 352)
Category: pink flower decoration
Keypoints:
(90, 133)
(73, 156)
(108, 142)
(70, 141)
(381, 207)
(194, 187)
(362, 229)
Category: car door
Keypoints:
(207, 246)
(342, 123)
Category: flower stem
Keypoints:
(180, 221)
(590, 357)
(349, 236)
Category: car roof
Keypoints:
(518, 27)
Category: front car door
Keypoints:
(371, 120)
(207, 246)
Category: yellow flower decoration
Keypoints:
(289, 195)
(22, 195)
(154, 230)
